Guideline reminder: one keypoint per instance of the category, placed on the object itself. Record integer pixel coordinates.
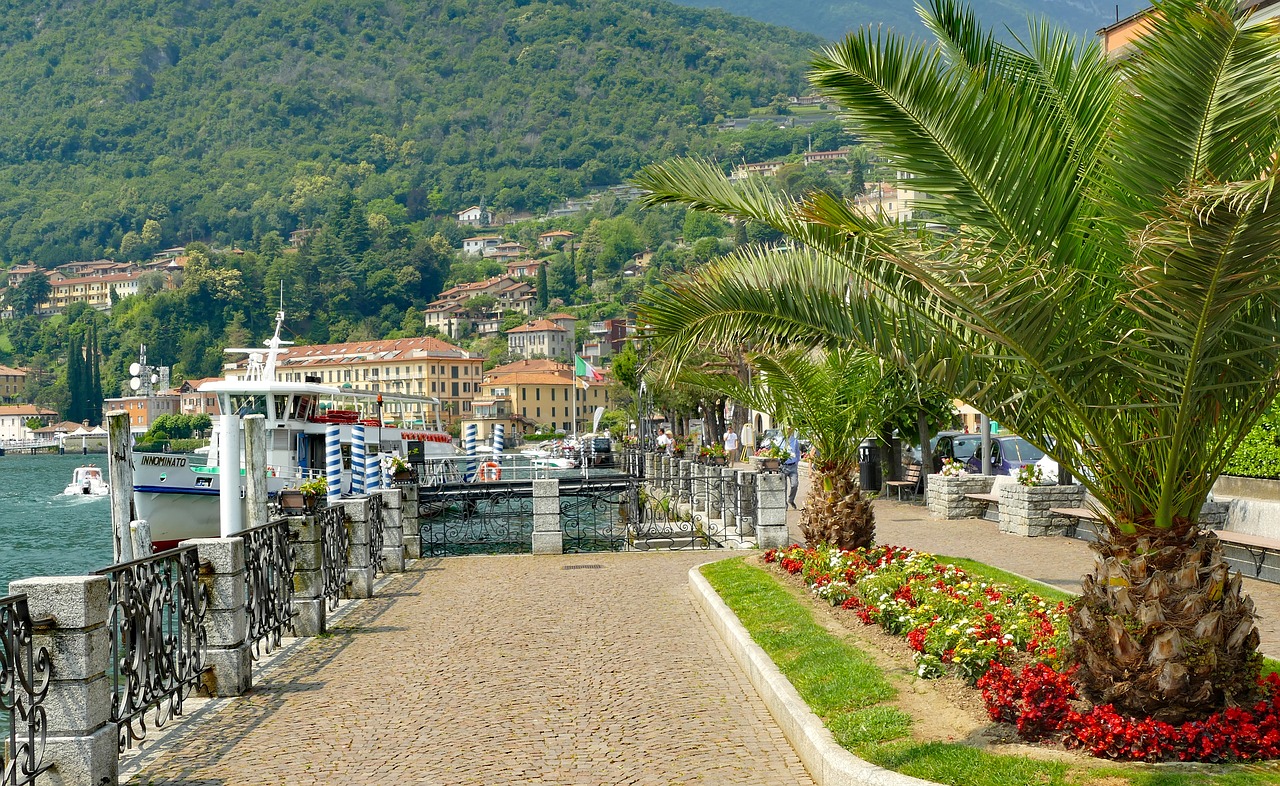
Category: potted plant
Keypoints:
(952, 468)
(308, 495)
(772, 456)
(713, 455)
(401, 472)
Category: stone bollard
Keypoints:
(548, 538)
(727, 490)
(392, 530)
(698, 487)
(747, 502)
(359, 566)
(82, 743)
(308, 576)
(410, 522)
(650, 465)
(227, 619)
(771, 511)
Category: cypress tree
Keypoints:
(75, 380)
(544, 297)
(95, 379)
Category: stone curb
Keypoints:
(828, 764)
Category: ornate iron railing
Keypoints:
(487, 518)
(268, 558)
(376, 535)
(158, 638)
(596, 515)
(689, 511)
(335, 543)
(24, 682)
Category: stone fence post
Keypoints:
(747, 509)
(409, 523)
(684, 476)
(308, 576)
(392, 530)
(548, 537)
(359, 566)
(82, 743)
(227, 618)
(771, 511)
(698, 477)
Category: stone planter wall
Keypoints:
(946, 495)
(1024, 510)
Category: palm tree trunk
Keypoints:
(835, 512)
(1163, 629)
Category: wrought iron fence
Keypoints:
(376, 534)
(158, 639)
(689, 510)
(335, 543)
(268, 557)
(489, 518)
(597, 515)
(24, 682)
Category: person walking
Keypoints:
(730, 443)
(665, 442)
(791, 468)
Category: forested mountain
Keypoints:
(226, 119)
(832, 19)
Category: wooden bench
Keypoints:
(910, 482)
(1078, 515)
(992, 511)
(1257, 547)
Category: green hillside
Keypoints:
(832, 20)
(224, 120)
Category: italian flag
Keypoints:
(582, 368)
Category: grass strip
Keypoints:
(844, 687)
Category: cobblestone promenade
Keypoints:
(588, 669)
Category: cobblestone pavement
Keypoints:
(586, 669)
(1056, 561)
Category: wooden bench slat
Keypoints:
(984, 497)
(1077, 513)
(1242, 539)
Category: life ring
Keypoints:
(490, 471)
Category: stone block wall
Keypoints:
(1024, 510)
(946, 495)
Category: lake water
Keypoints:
(42, 532)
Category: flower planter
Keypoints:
(403, 476)
(770, 464)
(719, 461)
(295, 502)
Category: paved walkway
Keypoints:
(589, 669)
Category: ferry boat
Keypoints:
(87, 481)
(178, 494)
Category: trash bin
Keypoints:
(869, 465)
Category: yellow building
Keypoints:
(541, 393)
(12, 382)
(425, 366)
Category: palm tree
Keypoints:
(830, 397)
(1107, 286)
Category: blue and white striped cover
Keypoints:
(357, 459)
(333, 461)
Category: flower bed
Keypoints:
(1010, 644)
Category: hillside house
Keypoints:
(549, 240)
(14, 417)
(541, 337)
(481, 245)
(475, 216)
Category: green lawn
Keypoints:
(844, 687)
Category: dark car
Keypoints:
(1008, 455)
(955, 445)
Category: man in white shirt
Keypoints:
(664, 442)
(730, 443)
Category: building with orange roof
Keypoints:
(425, 367)
(13, 381)
(538, 393)
(14, 419)
(540, 337)
(548, 240)
(191, 401)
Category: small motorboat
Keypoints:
(87, 482)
